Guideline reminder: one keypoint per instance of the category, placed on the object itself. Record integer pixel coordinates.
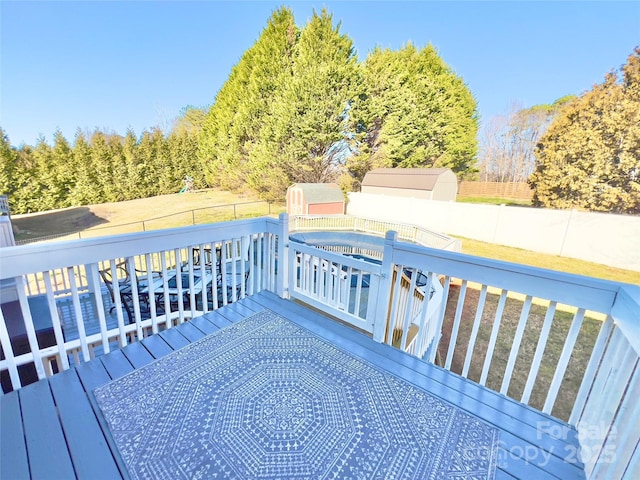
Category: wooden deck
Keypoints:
(52, 430)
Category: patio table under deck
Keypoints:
(51, 429)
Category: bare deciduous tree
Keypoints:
(509, 141)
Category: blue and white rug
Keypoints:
(267, 399)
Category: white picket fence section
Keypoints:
(405, 231)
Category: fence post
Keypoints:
(566, 231)
(283, 257)
(234, 212)
(193, 217)
(384, 288)
(497, 225)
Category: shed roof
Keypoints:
(320, 192)
(410, 178)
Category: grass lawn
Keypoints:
(561, 323)
(511, 316)
(512, 202)
(551, 262)
(163, 211)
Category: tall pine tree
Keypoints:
(8, 165)
(87, 189)
(413, 111)
(233, 123)
(299, 140)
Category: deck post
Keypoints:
(282, 265)
(384, 288)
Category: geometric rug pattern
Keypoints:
(267, 399)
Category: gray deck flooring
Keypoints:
(51, 429)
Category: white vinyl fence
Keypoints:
(604, 238)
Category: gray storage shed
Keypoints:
(430, 183)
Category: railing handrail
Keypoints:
(4, 205)
(599, 295)
(602, 395)
(25, 259)
(588, 292)
(626, 313)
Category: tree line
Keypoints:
(299, 106)
(100, 167)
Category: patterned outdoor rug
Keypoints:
(267, 399)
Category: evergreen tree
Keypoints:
(298, 140)
(414, 111)
(168, 178)
(589, 158)
(183, 144)
(189, 121)
(292, 110)
(102, 154)
(87, 189)
(24, 181)
(242, 105)
(183, 149)
(8, 165)
(61, 171)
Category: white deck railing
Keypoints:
(4, 205)
(70, 273)
(604, 408)
(567, 345)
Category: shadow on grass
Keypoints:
(56, 222)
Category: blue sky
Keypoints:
(115, 65)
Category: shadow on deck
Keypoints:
(54, 429)
(43, 325)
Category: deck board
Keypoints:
(191, 332)
(88, 447)
(116, 364)
(156, 346)
(174, 338)
(204, 325)
(46, 446)
(72, 392)
(92, 374)
(137, 355)
(217, 319)
(13, 454)
(243, 309)
(232, 314)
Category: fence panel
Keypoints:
(517, 190)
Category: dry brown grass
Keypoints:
(164, 211)
(511, 316)
(552, 262)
